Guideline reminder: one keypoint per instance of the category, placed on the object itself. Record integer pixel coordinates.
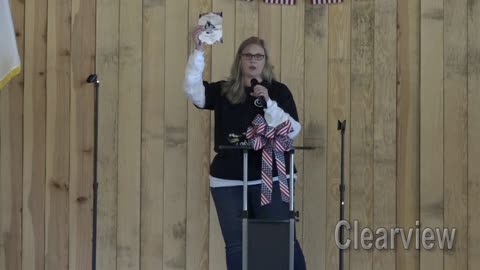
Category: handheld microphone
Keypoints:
(259, 101)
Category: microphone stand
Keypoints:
(93, 79)
(341, 127)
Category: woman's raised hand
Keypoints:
(197, 30)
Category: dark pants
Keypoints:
(229, 204)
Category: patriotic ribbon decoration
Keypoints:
(320, 2)
(282, 2)
(273, 142)
(293, 2)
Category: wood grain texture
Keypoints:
(270, 30)
(408, 127)
(5, 211)
(153, 135)
(222, 59)
(175, 163)
(129, 134)
(198, 161)
(384, 136)
(81, 134)
(432, 127)
(155, 147)
(224, 53)
(293, 66)
(315, 134)
(11, 101)
(59, 62)
(362, 127)
(455, 132)
(107, 67)
(34, 126)
(11, 155)
(246, 21)
(473, 133)
(339, 75)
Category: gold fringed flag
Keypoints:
(9, 58)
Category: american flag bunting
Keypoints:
(281, 2)
(320, 2)
(293, 2)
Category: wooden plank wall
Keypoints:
(473, 114)
(404, 74)
(11, 155)
(408, 127)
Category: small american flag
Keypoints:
(293, 2)
(318, 2)
(282, 2)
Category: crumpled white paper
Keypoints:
(212, 23)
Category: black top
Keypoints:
(231, 124)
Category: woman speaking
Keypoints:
(249, 91)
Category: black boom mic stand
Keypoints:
(93, 79)
(341, 127)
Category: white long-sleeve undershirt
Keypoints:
(195, 91)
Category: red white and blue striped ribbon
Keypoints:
(273, 142)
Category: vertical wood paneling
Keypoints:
(220, 71)
(81, 134)
(10, 183)
(270, 30)
(11, 163)
(246, 21)
(129, 134)
(432, 128)
(198, 160)
(175, 174)
(11, 173)
(339, 31)
(5, 214)
(10, 177)
(315, 134)
(455, 132)
(226, 50)
(293, 66)
(384, 137)
(107, 53)
(158, 176)
(59, 65)
(153, 142)
(34, 108)
(408, 127)
(361, 113)
(473, 134)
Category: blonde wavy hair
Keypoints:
(233, 89)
